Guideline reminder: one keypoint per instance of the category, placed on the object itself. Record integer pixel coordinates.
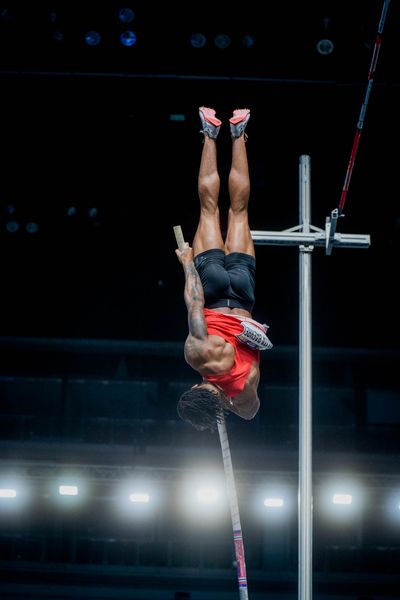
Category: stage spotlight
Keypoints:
(128, 38)
(207, 495)
(58, 36)
(342, 499)
(12, 226)
(68, 490)
(198, 40)
(92, 38)
(325, 46)
(274, 502)
(126, 15)
(248, 41)
(14, 493)
(141, 498)
(203, 494)
(32, 227)
(138, 498)
(93, 212)
(222, 41)
(71, 211)
(8, 493)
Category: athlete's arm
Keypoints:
(193, 294)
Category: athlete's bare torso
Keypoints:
(214, 355)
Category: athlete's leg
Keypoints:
(238, 238)
(208, 234)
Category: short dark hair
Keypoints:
(202, 408)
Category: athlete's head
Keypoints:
(202, 406)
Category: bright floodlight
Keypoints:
(68, 490)
(14, 492)
(273, 502)
(203, 497)
(139, 497)
(342, 499)
(207, 495)
(8, 493)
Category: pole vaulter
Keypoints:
(230, 482)
(306, 237)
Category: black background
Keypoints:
(89, 127)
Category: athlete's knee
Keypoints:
(209, 183)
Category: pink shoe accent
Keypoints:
(239, 115)
(209, 116)
(238, 122)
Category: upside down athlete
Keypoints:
(224, 342)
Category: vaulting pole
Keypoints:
(234, 507)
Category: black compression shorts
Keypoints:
(227, 279)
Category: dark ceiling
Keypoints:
(89, 127)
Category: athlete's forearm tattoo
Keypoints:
(194, 298)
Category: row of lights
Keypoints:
(197, 40)
(209, 495)
(127, 38)
(324, 46)
(93, 37)
(126, 16)
(14, 223)
(222, 40)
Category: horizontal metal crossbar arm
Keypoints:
(311, 238)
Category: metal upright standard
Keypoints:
(306, 237)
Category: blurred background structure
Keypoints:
(104, 492)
